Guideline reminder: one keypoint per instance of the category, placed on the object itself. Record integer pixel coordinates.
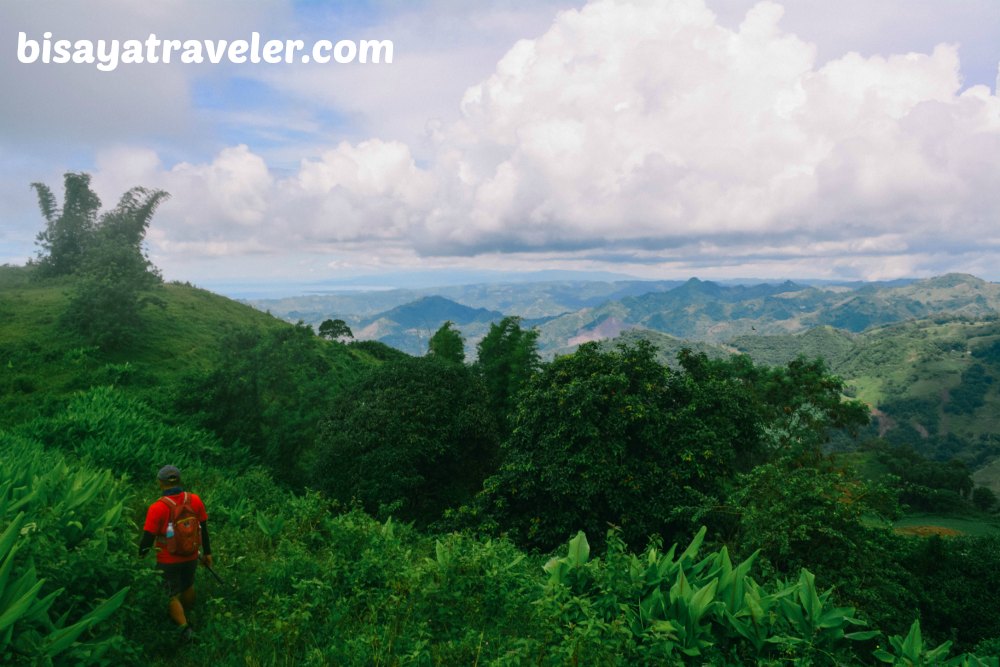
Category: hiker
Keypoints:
(176, 524)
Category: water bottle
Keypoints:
(170, 529)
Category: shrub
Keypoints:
(61, 523)
(114, 430)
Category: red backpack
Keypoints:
(185, 539)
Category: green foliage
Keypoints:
(667, 609)
(106, 255)
(507, 357)
(614, 437)
(924, 484)
(335, 329)
(68, 231)
(179, 340)
(447, 344)
(800, 403)
(955, 581)
(61, 523)
(412, 438)
(822, 519)
(268, 391)
(106, 302)
(377, 350)
(24, 609)
(114, 430)
(984, 499)
(331, 589)
(911, 652)
(970, 394)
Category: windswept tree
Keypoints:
(447, 344)
(105, 253)
(69, 230)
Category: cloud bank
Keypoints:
(638, 132)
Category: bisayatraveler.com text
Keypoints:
(108, 54)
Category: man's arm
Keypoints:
(146, 543)
(206, 545)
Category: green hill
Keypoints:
(40, 363)
(932, 383)
(667, 346)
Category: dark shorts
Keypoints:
(178, 577)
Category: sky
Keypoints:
(661, 139)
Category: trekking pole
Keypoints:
(217, 577)
(214, 574)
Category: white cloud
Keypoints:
(629, 128)
(648, 121)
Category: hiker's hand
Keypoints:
(206, 560)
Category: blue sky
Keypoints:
(656, 138)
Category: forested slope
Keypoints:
(255, 411)
(371, 507)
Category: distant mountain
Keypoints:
(433, 311)
(410, 326)
(535, 301)
(712, 312)
(568, 313)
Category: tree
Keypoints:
(335, 330)
(614, 437)
(107, 298)
(447, 344)
(268, 391)
(411, 439)
(68, 231)
(984, 498)
(105, 254)
(507, 357)
(819, 518)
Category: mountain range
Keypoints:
(568, 313)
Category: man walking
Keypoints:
(176, 524)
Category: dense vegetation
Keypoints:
(370, 507)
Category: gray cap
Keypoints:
(168, 474)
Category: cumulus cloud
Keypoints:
(649, 121)
(235, 205)
(648, 129)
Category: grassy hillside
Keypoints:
(40, 363)
(932, 383)
(667, 346)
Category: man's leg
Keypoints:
(176, 611)
(187, 598)
(179, 581)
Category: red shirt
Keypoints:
(157, 517)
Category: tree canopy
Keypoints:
(447, 344)
(411, 439)
(335, 329)
(103, 253)
(506, 358)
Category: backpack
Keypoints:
(186, 539)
